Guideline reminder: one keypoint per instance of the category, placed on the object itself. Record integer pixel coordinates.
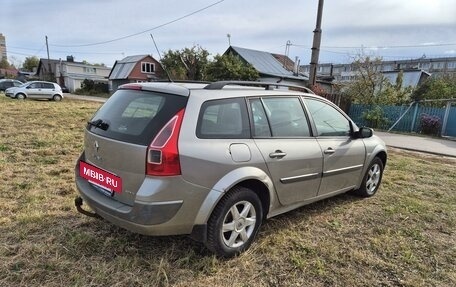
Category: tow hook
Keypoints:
(78, 203)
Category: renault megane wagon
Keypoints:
(215, 160)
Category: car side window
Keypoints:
(223, 119)
(35, 86)
(328, 120)
(279, 117)
(47, 86)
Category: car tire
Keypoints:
(20, 96)
(234, 222)
(57, 98)
(372, 179)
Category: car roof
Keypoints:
(40, 82)
(221, 89)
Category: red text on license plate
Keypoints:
(100, 177)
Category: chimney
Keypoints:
(70, 58)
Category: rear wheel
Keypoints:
(372, 179)
(20, 96)
(57, 98)
(234, 222)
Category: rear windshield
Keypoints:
(135, 116)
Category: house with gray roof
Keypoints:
(135, 69)
(269, 67)
(71, 74)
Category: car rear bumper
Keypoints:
(156, 216)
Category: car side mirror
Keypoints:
(364, 133)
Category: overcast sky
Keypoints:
(392, 29)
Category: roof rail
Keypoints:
(183, 81)
(267, 85)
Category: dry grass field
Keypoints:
(404, 236)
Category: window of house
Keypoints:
(387, 68)
(147, 67)
(437, 65)
(424, 66)
(451, 65)
(89, 70)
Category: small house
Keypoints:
(135, 69)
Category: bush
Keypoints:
(430, 125)
(91, 88)
(375, 117)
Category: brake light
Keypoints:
(163, 153)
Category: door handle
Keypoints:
(329, 151)
(277, 154)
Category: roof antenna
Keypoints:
(159, 55)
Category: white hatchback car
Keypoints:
(36, 90)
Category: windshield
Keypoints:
(24, 85)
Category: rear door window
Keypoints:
(279, 117)
(136, 116)
(223, 119)
(47, 86)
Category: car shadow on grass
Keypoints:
(71, 241)
(98, 237)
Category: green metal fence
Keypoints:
(408, 118)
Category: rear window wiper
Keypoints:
(99, 124)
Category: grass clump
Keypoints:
(403, 236)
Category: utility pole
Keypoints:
(316, 46)
(287, 51)
(49, 60)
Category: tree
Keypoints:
(4, 63)
(230, 67)
(30, 63)
(371, 87)
(436, 88)
(365, 87)
(186, 64)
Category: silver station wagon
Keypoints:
(215, 160)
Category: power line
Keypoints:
(18, 53)
(381, 47)
(68, 52)
(145, 31)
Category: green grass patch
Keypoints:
(403, 236)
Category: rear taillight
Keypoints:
(163, 153)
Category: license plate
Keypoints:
(100, 177)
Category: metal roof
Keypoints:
(123, 68)
(410, 78)
(264, 63)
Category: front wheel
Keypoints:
(372, 179)
(234, 222)
(20, 96)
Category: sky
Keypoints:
(88, 29)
